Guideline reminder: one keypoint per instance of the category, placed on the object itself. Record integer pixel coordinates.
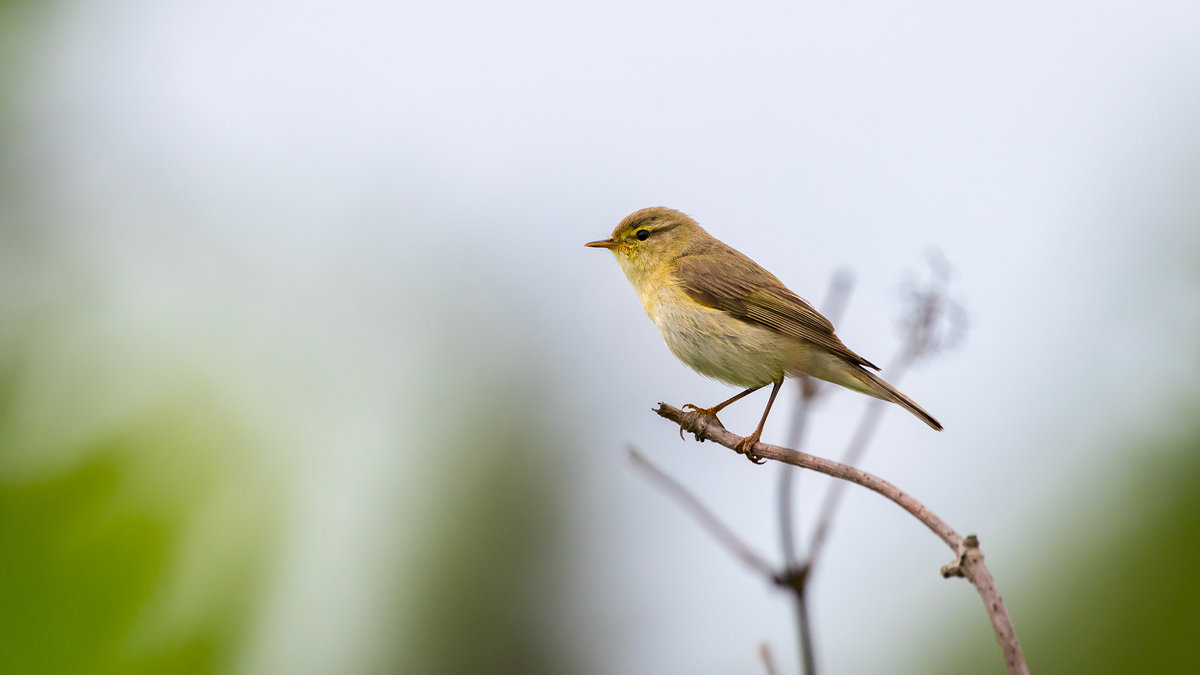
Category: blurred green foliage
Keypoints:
(101, 556)
(80, 564)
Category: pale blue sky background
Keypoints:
(344, 185)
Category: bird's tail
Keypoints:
(873, 385)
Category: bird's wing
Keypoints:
(754, 295)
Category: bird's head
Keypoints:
(649, 239)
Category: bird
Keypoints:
(729, 319)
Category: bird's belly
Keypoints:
(720, 346)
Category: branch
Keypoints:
(810, 388)
(797, 574)
(792, 569)
(792, 580)
(934, 323)
(968, 559)
(833, 496)
(706, 518)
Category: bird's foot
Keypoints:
(746, 447)
(708, 412)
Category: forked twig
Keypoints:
(810, 389)
(934, 323)
(968, 560)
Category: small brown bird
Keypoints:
(731, 320)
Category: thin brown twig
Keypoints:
(810, 388)
(930, 309)
(808, 646)
(787, 526)
(854, 452)
(740, 550)
(707, 519)
(968, 559)
(787, 531)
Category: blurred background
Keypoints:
(304, 367)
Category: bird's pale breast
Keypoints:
(714, 343)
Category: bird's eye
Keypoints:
(643, 235)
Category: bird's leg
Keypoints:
(746, 445)
(712, 412)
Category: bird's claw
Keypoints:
(707, 412)
(746, 447)
(743, 447)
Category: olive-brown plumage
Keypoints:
(728, 318)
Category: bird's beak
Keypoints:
(603, 243)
